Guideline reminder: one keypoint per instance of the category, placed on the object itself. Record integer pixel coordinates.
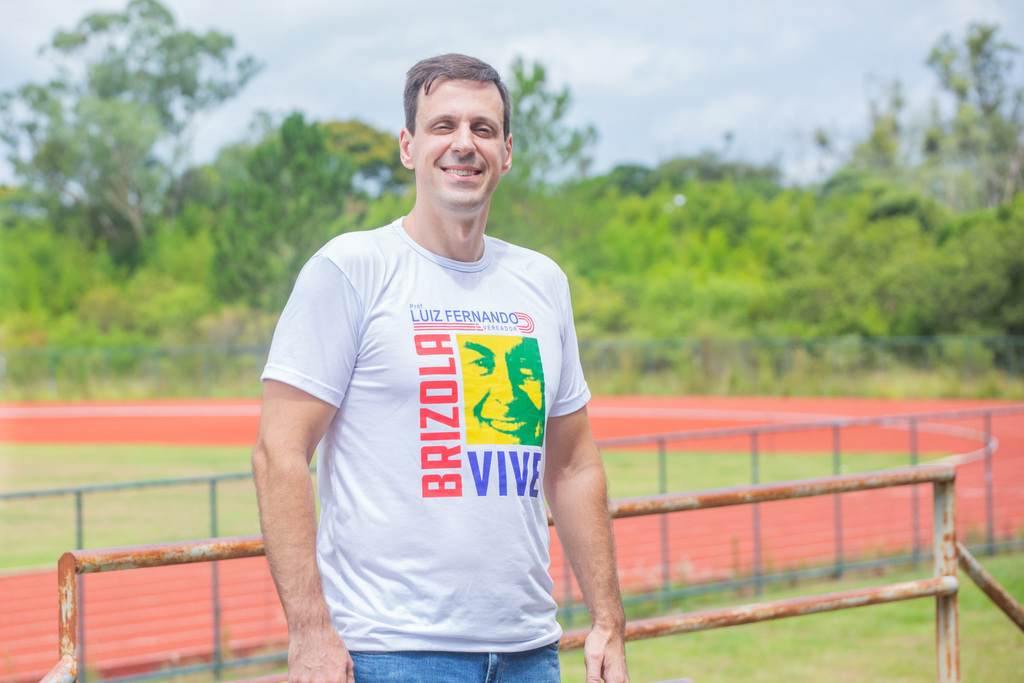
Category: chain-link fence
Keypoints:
(952, 366)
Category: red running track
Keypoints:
(139, 619)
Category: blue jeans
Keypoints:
(532, 666)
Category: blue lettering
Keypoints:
(513, 318)
(476, 316)
(448, 314)
(502, 317)
(502, 475)
(536, 475)
(521, 473)
(437, 315)
(480, 476)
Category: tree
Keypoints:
(104, 143)
(881, 150)
(375, 153)
(546, 149)
(279, 208)
(984, 140)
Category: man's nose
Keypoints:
(462, 140)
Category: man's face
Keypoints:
(504, 383)
(459, 151)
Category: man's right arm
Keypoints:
(292, 422)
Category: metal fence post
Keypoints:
(215, 585)
(666, 573)
(989, 504)
(947, 635)
(80, 583)
(837, 503)
(52, 367)
(755, 477)
(915, 501)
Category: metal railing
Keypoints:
(756, 435)
(943, 586)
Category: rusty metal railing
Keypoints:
(942, 586)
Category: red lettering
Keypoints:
(444, 391)
(433, 344)
(445, 457)
(439, 436)
(433, 392)
(445, 370)
(442, 485)
(428, 414)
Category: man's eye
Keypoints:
(485, 363)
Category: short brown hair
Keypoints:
(453, 67)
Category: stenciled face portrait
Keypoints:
(503, 381)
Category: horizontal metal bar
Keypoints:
(137, 351)
(207, 550)
(124, 485)
(759, 493)
(779, 609)
(272, 658)
(790, 576)
(987, 583)
(603, 443)
(811, 425)
(1009, 340)
(898, 342)
(270, 678)
(64, 671)
(160, 554)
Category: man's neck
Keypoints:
(460, 238)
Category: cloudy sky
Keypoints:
(657, 78)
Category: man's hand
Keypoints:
(319, 656)
(604, 653)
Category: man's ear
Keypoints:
(507, 164)
(404, 142)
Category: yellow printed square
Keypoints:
(503, 387)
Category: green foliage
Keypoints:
(374, 153)
(105, 242)
(969, 152)
(101, 145)
(545, 148)
(277, 212)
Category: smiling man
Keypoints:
(434, 372)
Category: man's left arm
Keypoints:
(577, 493)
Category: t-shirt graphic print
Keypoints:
(503, 389)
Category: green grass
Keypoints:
(635, 473)
(893, 642)
(36, 531)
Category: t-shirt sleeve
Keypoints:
(317, 338)
(573, 392)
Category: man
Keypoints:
(414, 360)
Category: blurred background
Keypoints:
(802, 177)
(769, 213)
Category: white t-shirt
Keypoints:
(433, 532)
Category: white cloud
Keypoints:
(656, 77)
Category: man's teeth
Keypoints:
(461, 172)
